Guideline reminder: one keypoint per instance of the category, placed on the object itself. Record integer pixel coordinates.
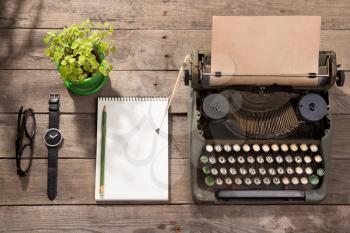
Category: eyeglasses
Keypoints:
(26, 128)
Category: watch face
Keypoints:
(53, 137)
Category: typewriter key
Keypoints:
(252, 171)
(304, 180)
(236, 147)
(269, 159)
(284, 147)
(307, 159)
(293, 147)
(318, 158)
(243, 171)
(223, 171)
(314, 180)
(204, 159)
(320, 172)
(298, 159)
(257, 181)
(285, 180)
(308, 170)
(299, 170)
(246, 148)
(260, 159)
(222, 159)
(209, 181)
(250, 159)
(231, 159)
(266, 148)
(314, 148)
(212, 160)
(227, 148)
(240, 159)
(303, 147)
(276, 180)
(238, 181)
(295, 180)
(280, 170)
(214, 171)
(228, 180)
(275, 147)
(289, 170)
(267, 181)
(272, 171)
(279, 159)
(256, 148)
(233, 171)
(218, 181)
(209, 148)
(247, 181)
(218, 148)
(206, 170)
(288, 159)
(262, 171)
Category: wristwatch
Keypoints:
(53, 139)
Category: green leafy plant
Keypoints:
(78, 51)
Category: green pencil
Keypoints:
(103, 149)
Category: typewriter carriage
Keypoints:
(194, 76)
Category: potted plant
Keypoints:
(79, 54)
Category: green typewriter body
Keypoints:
(259, 144)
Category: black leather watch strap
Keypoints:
(52, 172)
(54, 113)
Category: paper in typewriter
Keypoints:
(136, 158)
(265, 45)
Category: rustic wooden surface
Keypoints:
(152, 38)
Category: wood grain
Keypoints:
(139, 49)
(179, 14)
(185, 218)
(76, 183)
(34, 87)
(79, 133)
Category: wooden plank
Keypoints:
(139, 49)
(184, 218)
(180, 14)
(35, 86)
(79, 132)
(76, 183)
(80, 140)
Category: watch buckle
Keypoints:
(54, 98)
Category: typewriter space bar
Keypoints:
(261, 194)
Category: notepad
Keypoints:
(136, 158)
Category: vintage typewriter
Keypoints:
(255, 143)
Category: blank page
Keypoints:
(266, 45)
(136, 159)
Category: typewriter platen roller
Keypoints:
(256, 143)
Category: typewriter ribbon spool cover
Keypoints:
(265, 45)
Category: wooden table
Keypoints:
(152, 38)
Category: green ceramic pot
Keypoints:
(90, 85)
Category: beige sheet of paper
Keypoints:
(265, 44)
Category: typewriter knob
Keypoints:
(340, 78)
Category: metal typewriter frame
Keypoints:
(194, 76)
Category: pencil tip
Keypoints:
(157, 130)
(104, 108)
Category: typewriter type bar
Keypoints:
(261, 194)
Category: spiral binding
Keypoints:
(134, 98)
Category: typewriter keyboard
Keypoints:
(260, 166)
